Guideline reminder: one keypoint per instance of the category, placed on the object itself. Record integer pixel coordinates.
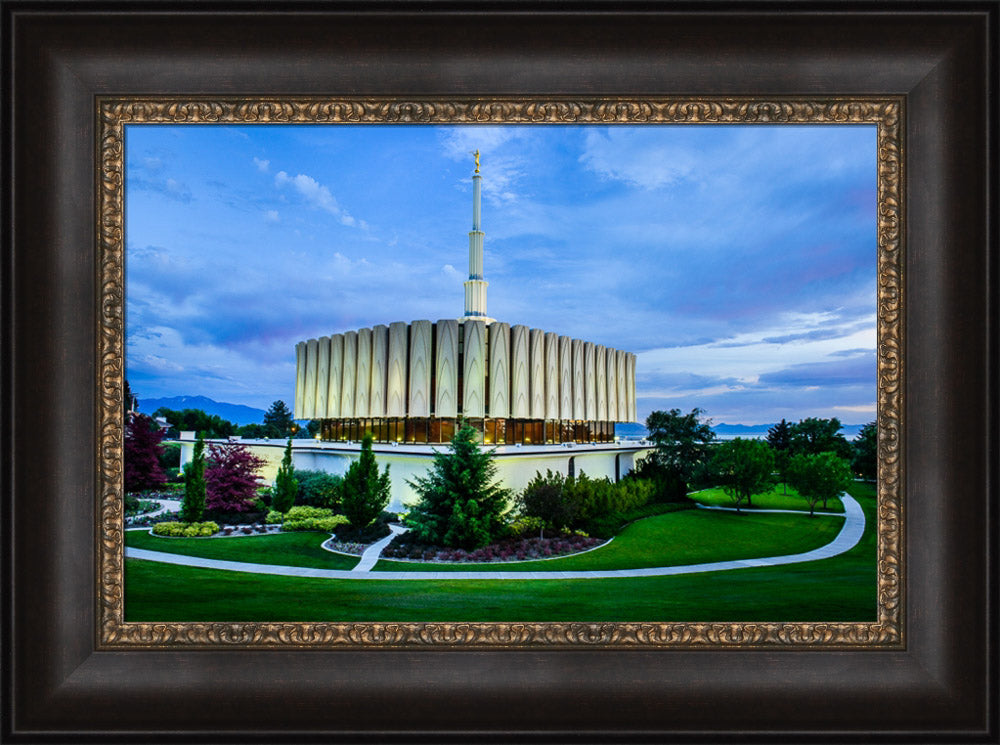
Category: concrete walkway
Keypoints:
(370, 555)
(850, 534)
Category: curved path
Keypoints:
(850, 534)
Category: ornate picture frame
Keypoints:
(886, 628)
(70, 668)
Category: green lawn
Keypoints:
(288, 549)
(689, 537)
(772, 500)
(842, 588)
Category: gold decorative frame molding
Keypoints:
(885, 632)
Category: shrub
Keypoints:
(302, 511)
(543, 500)
(170, 456)
(189, 530)
(324, 524)
(274, 517)
(318, 489)
(193, 503)
(526, 526)
(231, 480)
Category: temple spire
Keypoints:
(475, 286)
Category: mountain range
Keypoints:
(235, 413)
(240, 414)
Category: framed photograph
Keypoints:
(167, 172)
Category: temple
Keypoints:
(411, 381)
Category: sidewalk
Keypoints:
(850, 534)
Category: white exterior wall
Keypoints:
(565, 378)
(589, 382)
(395, 397)
(601, 381)
(300, 380)
(380, 370)
(579, 408)
(612, 386)
(515, 466)
(336, 375)
(520, 372)
(350, 374)
(363, 379)
(536, 361)
(630, 385)
(446, 374)
(322, 376)
(474, 369)
(312, 365)
(620, 372)
(551, 375)
(499, 360)
(420, 369)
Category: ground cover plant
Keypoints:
(774, 499)
(288, 549)
(842, 588)
(687, 537)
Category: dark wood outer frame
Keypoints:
(57, 686)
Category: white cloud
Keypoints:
(272, 216)
(648, 165)
(262, 165)
(315, 194)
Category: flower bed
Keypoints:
(523, 549)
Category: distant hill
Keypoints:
(728, 431)
(235, 413)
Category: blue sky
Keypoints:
(737, 262)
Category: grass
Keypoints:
(288, 549)
(772, 500)
(689, 537)
(842, 588)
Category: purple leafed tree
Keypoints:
(231, 479)
(142, 450)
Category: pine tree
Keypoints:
(193, 504)
(141, 453)
(286, 486)
(779, 437)
(278, 420)
(460, 505)
(364, 493)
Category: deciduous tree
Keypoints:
(460, 504)
(814, 435)
(231, 479)
(819, 477)
(141, 454)
(865, 461)
(743, 468)
(681, 440)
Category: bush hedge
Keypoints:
(324, 524)
(187, 530)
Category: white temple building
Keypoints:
(542, 400)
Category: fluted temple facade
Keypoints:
(410, 382)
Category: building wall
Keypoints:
(441, 369)
(515, 466)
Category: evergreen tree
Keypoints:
(460, 505)
(364, 493)
(743, 467)
(141, 454)
(286, 486)
(779, 437)
(278, 420)
(865, 460)
(193, 504)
